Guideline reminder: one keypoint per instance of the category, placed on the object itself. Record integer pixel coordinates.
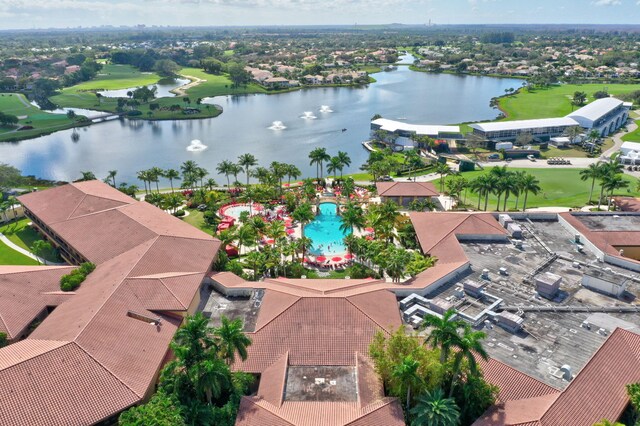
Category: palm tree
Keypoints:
(193, 340)
(444, 334)
(87, 176)
(318, 157)
(334, 166)
(293, 172)
(39, 247)
(246, 236)
(518, 177)
(395, 262)
(593, 172)
(210, 184)
(171, 174)
(510, 186)
(256, 261)
(421, 205)
(407, 374)
(112, 175)
(225, 167)
(467, 346)
(442, 169)
(231, 340)
(209, 378)
(143, 175)
(498, 175)
(156, 173)
(303, 214)
(345, 161)
(246, 161)
(279, 171)
(611, 183)
(433, 409)
(200, 173)
(352, 217)
(529, 184)
(411, 159)
(188, 169)
(572, 133)
(303, 244)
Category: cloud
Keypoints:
(607, 2)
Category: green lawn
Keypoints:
(196, 219)
(560, 187)
(554, 101)
(9, 256)
(216, 85)
(29, 115)
(633, 136)
(114, 77)
(24, 236)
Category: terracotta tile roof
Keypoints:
(513, 384)
(437, 232)
(25, 292)
(100, 351)
(597, 392)
(58, 384)
(320, 330)
(605, 239)
(628, 204)
(406, 189)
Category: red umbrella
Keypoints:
(336, 259)
(286, 184)
(270, 241)
(368, 237)
(291, 231)
(321, 258)
(368, 230)
(348, 256)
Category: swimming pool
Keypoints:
(325, 233)
(234, 210)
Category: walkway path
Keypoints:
(182, 90)
(27, 253)
(617, 140)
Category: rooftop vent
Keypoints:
(144, 318)
(566, 372)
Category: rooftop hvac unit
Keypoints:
(485, 274)
(566, 372)
(503, 271)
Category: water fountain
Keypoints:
(277, 125)
(308, 115)
(196, 146)
(325, 108)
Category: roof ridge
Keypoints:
(65, 343)
(172, 293)
(348, 298)
(117, 286)
(298, 298)
(616, 333)
(266, 405)
(36, 269)
(84, 195)
(106, 368)
(385, 401)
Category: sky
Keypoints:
(26, 14)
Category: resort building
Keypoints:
(543, 128)
(630, 153)
(100, 348)
(400, 128)
(403, 193)
(604, 115)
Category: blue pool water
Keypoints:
(324, 232)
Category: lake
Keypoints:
(247, 125)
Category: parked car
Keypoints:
(385, 179)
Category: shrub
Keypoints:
(179, 213)
(134, 113)
(3, 339)
(234, 266)
(73, 279)
(296, 270)
(86, 268)
(358, 271)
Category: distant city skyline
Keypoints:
(26, 14)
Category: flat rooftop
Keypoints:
(213, 305)
(550, 338)
(321, 383)
(611, 222)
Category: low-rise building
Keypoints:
(404, 193)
